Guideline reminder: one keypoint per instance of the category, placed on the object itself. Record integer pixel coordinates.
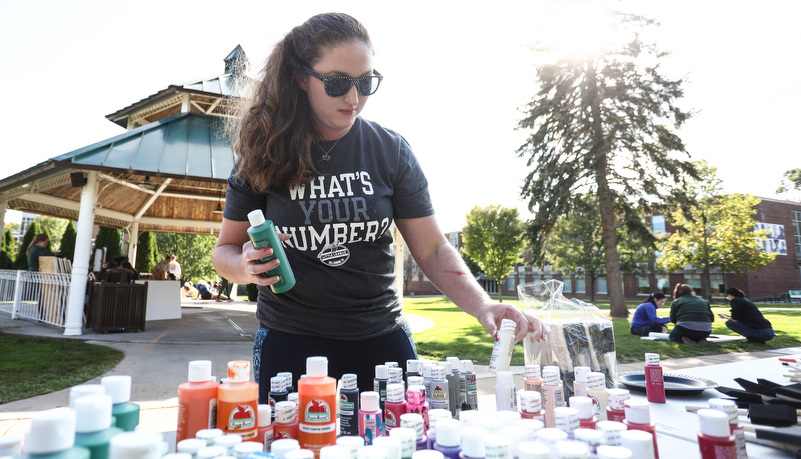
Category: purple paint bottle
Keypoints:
(414, 421)
(449, 438)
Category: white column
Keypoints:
(83, 245)
(133, 242)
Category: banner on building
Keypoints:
(776, 242)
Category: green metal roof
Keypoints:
(184, 145)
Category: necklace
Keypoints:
(326, 156)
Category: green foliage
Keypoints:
(791, 180)
(494, 238)
(474, 268)
(54, 227)
(67, 248)
(716, 232)
(147, 252)
(7, 254)
(194, 254)
(21, 262)
(111, 239)
(253, 292)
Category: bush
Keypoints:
(110, 239)
(147, 252)
(7, 255)
(67, 248)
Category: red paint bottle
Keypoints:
(638, 417)
(714, 439)
(586, 415)
(394, 407)
(654, 380)
(735, 427)
(617, 399)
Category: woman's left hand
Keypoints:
(493, 313)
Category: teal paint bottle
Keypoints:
(262, 234)
(126, 414)
(93, 428)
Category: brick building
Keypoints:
(782, 218)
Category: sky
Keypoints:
(456, 77)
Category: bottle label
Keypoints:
(372, 427)
(212, 413)
(346, 407)
(439, 396)
(317, 411)
(238, 419)
(265, 244)
(318, 428)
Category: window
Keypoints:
(510, 282)
(658, 224)
(694, 281)
(600, 285)
(796, 229)
(581, 284)
(643, 285)
(568, 287)
(663, 285)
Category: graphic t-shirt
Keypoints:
(341, 250)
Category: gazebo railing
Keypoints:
(35, 295)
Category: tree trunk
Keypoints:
(500, 293)
(592, 289)
(706, 287)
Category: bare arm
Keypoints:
(442, 264)
(235, 258)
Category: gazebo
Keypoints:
(167, 173)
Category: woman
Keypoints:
(38, 248)
(645, 321)
(692, 315)
(334, 184)
(746, 319)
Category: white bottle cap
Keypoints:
(246, 448)
(533, 371)
(611, 431)
(727, 406)
(390, 445)
(177, 456)
(449, 432)
(210, 452)
(352, 442)
(508, 326)
(550, 436)
(51, 431)
(613, 452)
(572, 450)
(503, 378)
(282, 446)
(238, 371)
(533, 450)
(119, 387)
(413, 366)
(395, 392)
(293, 397)
(497, 446)
(93, 413)
(415, 422)
(491, 424)
(427, 454)
(466, 366)
(408, 439)
(86, 389)
(285, 412)
(455, 365)
(437, 373)
(381, 372)
(517, 434)
(137, 445)
(265, 414)
(316, 367)
(583, 406)
(349, 381)
(209, 435)
(416, 381)
(641, 443)
(533, 426)
(191, 445)
(508, 418)
(447, 366)
(581, 373)
(596, 380)
(437, 414)
(277, 384)
(335, 452)
(567, 419)
(373, 451)
(531, 401)
(468, 418)
(427, 369)
(651, 358)
(299, 454)
(591, 437)
(287, 375)
(10, 445)
(369, 401)
(550, 376)
(199, 371)
(714, 423)
(637, 411)
(617, 398)
(555, 367)
(473, 441)
(228, 441)
(392, 364)
(256, 217)
(395, 375)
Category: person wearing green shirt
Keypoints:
(38, 248)
(692, 315)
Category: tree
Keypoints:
(21, 261)
(718, 232)
(494, 238)
(194, 254)
(7, 255)
(54, 228)
(111, 239)
(67, 248)
(410, 268)
(791, 180)
(147, 252)
(602, 125)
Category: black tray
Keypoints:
(674, 383)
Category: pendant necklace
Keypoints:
(326, 156)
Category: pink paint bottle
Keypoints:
(416, 403)
(715, 440)
(371, 424)
(638, 417)
(394, 407)
(552, 394)
(654, 380)
(531, 405)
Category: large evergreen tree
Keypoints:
(111, 239)
(67, 248)
(602, 124)
(7, 255)
(147, 252)
(21, 261)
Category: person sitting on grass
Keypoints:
(692, 315)
(745, 318)
(645, 321)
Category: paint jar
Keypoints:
(93, 428)
(197, 401)
(317, 412)
(263, 235)
(52, 436)
(126, 414)
(238, 400)
(504, 346)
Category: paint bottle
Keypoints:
(208, 435)
(640, 443)
(93, 428)
(416, 403)
(190, 446)
(473, 442)
(281, 447)
(583, 405)
(414, 421)
(197, 401)
(427, 379)
(238, 402)
(552, 394)
(505, 392)
(395, 375)
(453, 387)
(611, 431)
(349, 405)
(416, 381)
(638, 417)
(518, 435)
(125, 413)
(449, 438)
(371, 424)
(613, 452)
(435, 415)
(654, 380)
(380, 384)
(440, 392)
(394, 407)
(566, 419)
(353, 443)
(278, 392)
(508, 418)
(617, 399)
(497, 446)
(456, 369)
(571, 450)
(596, 391)
(85, 389)
(408, 440)
(467, 377)
(229, 442)
(140, 446)
(531, 405)
(591, 437)
(266, 432)
(413, 368)
(715, 440)
(504, 346)
(533, 380)
(580, 383)
(391, 447)
(533, 426)
(52, 436)
(246, 448)
(263, 235)
(730, 408)
(10, 445)
(286, 421)
(469, 418)
(318, 406)
(290, 383)
(533, 450)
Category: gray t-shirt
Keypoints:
(341, 250)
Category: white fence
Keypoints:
(35, 295)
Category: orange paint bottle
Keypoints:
(197, 401)
(238, 401)
(317, 407)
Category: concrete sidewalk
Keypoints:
(157, 359)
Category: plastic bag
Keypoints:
(579, 333)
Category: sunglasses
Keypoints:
(339, 86)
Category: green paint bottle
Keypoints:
(93, 428)
(126, 414)
(262, 234)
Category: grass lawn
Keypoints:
(459, 334)
(33, 366)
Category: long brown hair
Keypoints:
(682, 289)
(274, 134)
(36, 239)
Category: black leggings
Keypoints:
(287, 352)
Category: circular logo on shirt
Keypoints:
(334, 254)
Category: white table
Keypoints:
(163, 300)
